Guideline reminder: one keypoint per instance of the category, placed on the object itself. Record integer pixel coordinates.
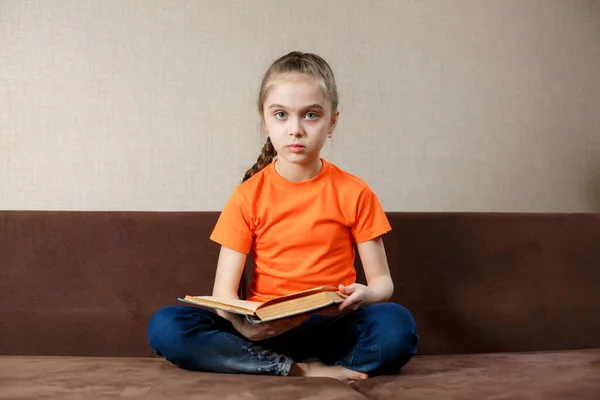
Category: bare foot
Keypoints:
(318, 369)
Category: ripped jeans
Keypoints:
(378, 339)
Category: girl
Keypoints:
(300, 216)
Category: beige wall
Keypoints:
(446, 105)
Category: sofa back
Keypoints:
(86, 283)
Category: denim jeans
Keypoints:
(377, 339)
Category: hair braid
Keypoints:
(265, 158)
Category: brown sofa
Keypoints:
(508, 307)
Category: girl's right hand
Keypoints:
(267, 330)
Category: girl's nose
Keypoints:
(295, 127)
(295, 130)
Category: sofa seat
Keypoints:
(536, 375)
(70, 378)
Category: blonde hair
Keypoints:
(294, 62)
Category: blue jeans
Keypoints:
(378, 339)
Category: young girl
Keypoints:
(300, 216)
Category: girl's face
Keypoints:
(298, 117)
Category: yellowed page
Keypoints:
(299, 305)
(303, 293)
(248, 307)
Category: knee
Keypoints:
(175, 332)
(161, 327)
(396, 331)
(171, 326)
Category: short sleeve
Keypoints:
(371, 221)
(234, 228)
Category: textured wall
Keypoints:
(461, 105)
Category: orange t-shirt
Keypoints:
(301, 234)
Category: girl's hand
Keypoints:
(267, 330)
(358, 296)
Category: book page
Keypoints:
(299, 305)
(303, 293)
(217, 302)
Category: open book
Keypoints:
(281, 307)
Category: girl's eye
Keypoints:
(280, 114)
(312, 115)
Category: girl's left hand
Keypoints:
(358, 296)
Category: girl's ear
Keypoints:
(334, 120)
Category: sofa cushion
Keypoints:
(541, 375)
(498, 282)
(65, 378)
(86, 283)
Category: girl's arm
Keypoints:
(379, 281)
(374, 261)
(230, 267)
